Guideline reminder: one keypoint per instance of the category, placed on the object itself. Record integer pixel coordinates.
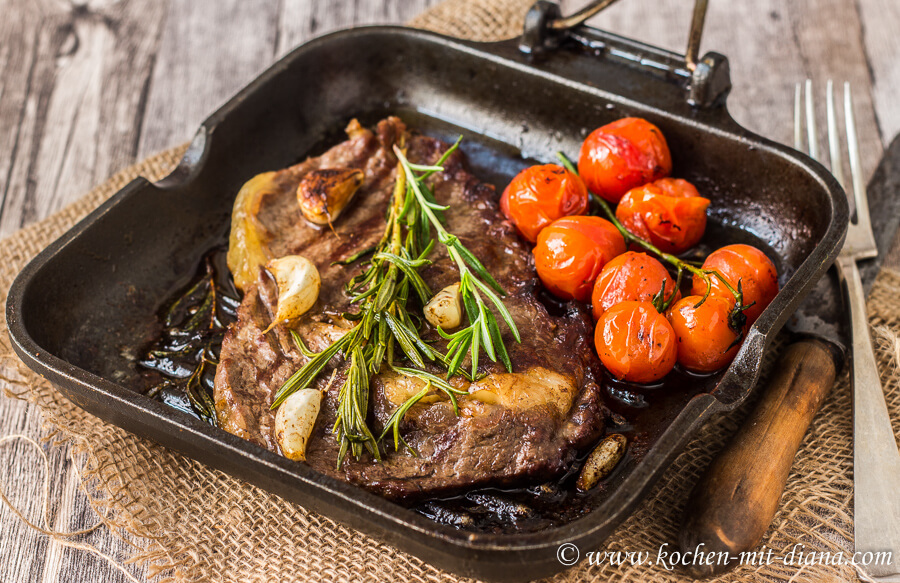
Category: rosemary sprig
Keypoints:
(385, 330)
(382, 291)
(736, 318)
(393, 423)
(194, 326)
(354, 257)
(483, 332)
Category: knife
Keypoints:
(731, 507)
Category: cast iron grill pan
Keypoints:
(79, 313)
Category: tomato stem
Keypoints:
(671, 299)
(737, 314)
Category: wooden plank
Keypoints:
(22, 94)
(27, 554)
(76, 75)
(230, 46)
(19, 33)
(302, 19)
(208, 50)
(73, 80)
(881, 23)
(21, 549)
(771, 45)
(73, 512)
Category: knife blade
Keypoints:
(734, 502)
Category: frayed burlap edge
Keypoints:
(200, 524)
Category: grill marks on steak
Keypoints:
(511, 427)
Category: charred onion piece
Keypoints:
(323, 194)
(247, 244)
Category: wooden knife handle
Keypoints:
(734, 502)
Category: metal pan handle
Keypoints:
(545, 27)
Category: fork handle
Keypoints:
(735, 500)
(876, 461)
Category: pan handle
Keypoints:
(546, 27)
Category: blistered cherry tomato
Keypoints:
(669, 213)
(706, 343)
(750, 266)
(630, 277)
(539, 195)
(623, 155)
(635, 342)
(571, 251)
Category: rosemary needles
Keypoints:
(483, 333)
(386, 331)
(187, 352)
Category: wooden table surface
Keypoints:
(90, 86)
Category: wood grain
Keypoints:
(210, 50)
(207, 52)
(879, 19)
(89, 86)
(77, 78)
(733, 504)
(771, 45)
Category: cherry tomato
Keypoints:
(630, 277)
(623, 155)
(539, 195)
(669, 213)
(750, 266)
(571, 252)
(705, 341)
(635, 342)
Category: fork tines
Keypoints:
(856, 192)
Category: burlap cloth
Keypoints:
(199, 524)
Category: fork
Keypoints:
(876, 460)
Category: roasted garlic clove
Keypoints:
(298, 287)
(323, 194)
(602, 461)
(444, 310)
(294, 422)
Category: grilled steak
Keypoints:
(512, 427)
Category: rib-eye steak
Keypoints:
(512, 428)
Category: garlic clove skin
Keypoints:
(444, 310)
(602, 461)
(298, 284)
(324, 193)
(294, 422)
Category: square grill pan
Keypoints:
(91, 299)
